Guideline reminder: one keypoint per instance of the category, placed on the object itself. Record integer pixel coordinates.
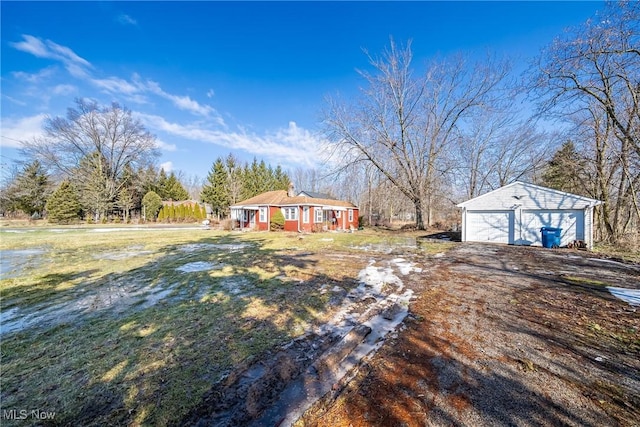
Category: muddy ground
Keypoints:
(493, 335)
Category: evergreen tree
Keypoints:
(151, 203)
(174, 189)
(64, 204)
(566, 170)
(198, 213)
(31, 189)
(216, 190)
(161, 185)
(162, 214)
(280, 179)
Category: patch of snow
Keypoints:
(193, 267)
(326, 239)
(13, 262)
(631, 296)
(227, 247)
(376, 277)
(405, 266)
(116, 256)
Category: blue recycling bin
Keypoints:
(551, 237)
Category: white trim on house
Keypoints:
(305, 214)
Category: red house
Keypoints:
(301, 212)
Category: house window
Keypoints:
(305, 214)
(290, 214)
(338, 213)
(263, 214)
(350, 215)
(318, 211)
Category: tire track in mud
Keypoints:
(280, 387)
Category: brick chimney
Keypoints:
(291, 192)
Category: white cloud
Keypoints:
(23, 129)
(182, 102)
(291, 145)
(75, 64)
(116, 85)
(63, 89)
(14, 100)
(35, 78)
(167, 166)
(165, 146)
(135, 89)
(125, 19)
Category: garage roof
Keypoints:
(527, 196)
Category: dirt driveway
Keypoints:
(502, 335)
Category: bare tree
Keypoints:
(107, 139)
(404, 125)
(594, 72)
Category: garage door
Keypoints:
(489, 226)
(571, 222)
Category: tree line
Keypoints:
(452, 130)
(417, 141)
(229, 182)
(97, 163)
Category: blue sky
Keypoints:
(209, 78)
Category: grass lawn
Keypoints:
(121, 326)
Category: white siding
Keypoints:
(571, 222)
(528, 197)
(523, 209)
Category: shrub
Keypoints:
(64, 204)
(152, 204)
(277, 221)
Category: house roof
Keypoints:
(528, 196)
(268, 198)
(280, 198)
(316, 195)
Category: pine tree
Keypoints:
(281, 179)
(31, 189)
(172, 213)
(215, 191)
(63, 206)
(174, 189)
(161, 185)
(152, 204)
(566, 170)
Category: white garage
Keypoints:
(515, 213)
